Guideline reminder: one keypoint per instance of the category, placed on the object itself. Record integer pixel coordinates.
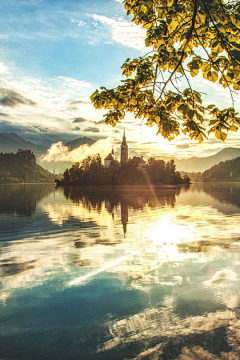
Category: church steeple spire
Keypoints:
(124, 150)
(124, 141)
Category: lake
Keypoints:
(126, 273)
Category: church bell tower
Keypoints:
(124, 150)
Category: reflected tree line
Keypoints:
(228, 194)
(124, 198)
(22, 199)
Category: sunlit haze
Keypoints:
(53, 57)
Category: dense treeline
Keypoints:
(224, 171)
(228, 170)
(22, 168)
(92, 172)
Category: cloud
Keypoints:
(39, 135)
(182, 146)
(157, 324)
(77, 85)
(79, 102)
(80, 23)
(222, 277)
(3, 114)
(12, 98)
(101, 122)
(79, 120)
(3, 68)
(147, 143)
(92, 129)
(122, 31)
(59, 153)
(52, 97)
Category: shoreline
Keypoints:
(125, 187)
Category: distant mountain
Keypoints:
(22, 168)
(196, 164)
(12, 142)
(78, 142)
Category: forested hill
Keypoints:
(21, 167)
(225, 171)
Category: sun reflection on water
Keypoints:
(166, 232)
(170, 265)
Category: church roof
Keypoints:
(109, 157)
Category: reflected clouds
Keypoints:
(173, 252)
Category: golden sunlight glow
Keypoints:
(150, 135)
(59, 214)
(168, 234)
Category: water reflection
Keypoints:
(129, 273)
(125, 198)
(22, 199)
(225, 193)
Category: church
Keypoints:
(141, 164)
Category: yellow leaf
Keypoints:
(200, 138)
(236, 86)
(162, 13)
(147, 26)
(144, 9)
(189, 46)
(92, 97)
(202, 17)
(220, 135)
(98, 104)
(234, 128)
(119, 105)
(165, 67)
(133, 102)
(214, 76)
(205, 67)
(157, 119)
(194, 72)
(127, 72)
(217, 48)
(233, 19)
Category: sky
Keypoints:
(54, 54)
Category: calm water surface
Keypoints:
(113, 274)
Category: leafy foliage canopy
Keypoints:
(186, 38)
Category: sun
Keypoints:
(158, 142)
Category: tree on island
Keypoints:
(92, 172)
(186, 38)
